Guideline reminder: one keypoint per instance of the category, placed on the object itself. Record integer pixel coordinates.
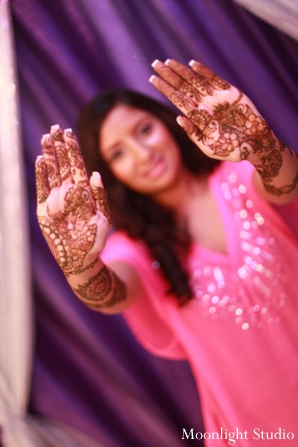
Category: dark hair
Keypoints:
(137, 214)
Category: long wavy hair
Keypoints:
(138, 214)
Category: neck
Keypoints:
(177, 196)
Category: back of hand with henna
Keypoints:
(226, 125)
(75, 219)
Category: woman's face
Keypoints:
(139, 150)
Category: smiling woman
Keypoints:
(89, 372)
(139, 150)
(197, 244)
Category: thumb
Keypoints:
(192, 131)
(100, 196)
(187, 125)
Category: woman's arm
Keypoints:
(110, 288)
(75, 219)
(226, 125)
(278, 183)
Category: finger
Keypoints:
(41, 179)
(77, 165)
(49, 154)
(200, 117)
(190, 128)
(216, 81)
(100, 196)
(182, 102)
(185, 84)
(198, 82)
(61, 154)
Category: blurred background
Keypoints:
(70, 376)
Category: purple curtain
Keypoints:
(89, 371)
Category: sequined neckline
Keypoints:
(246, 285)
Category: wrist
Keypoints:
(91, 265)
(268, 160)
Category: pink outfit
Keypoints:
(240, 332)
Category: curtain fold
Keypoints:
(282, 14)
(16, 310)
(15, 293)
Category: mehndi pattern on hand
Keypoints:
(103, 290)
(66, 206)
(68, 233)
(220, 119)
(101, 200)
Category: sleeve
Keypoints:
(284, 216)
(147, 317)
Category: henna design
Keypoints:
(76, 161)
(271, 162)
(202, 85)
(278, 191)
(283, 147)
(208, 84)
(41, 186)
(101, 197)
(240, 127)
(187, 90)
(103, 290)
(200, 78)
(234, 127)
(63, 229)
(200, 118)
(217, 81)
(237, 127)
(47, 147)
(82, 270)
(61, 153)
(51, 162)
(179, 100)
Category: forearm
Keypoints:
(99, 287)
(277, 178)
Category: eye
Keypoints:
(116, 154)
(145, 129)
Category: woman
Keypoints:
(201, 264)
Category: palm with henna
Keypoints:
(75, 219)
(73, 214)
(226, 125)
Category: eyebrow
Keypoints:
(134, 127)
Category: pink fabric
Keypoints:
(240, 332)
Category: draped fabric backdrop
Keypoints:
(85, 381)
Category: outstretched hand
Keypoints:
(73, 213)
(219, 118)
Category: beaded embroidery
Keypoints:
(253, 294)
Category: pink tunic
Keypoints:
(240, 332)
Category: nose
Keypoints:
(141, 151)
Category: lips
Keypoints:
(156, 168)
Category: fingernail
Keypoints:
(167, 62)
(192, 62)
(96, 178)
(185, 124)
(55, 127)
(44, 138)
(154, 63)
(152, 78)
(181, 122)
(68, 133)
